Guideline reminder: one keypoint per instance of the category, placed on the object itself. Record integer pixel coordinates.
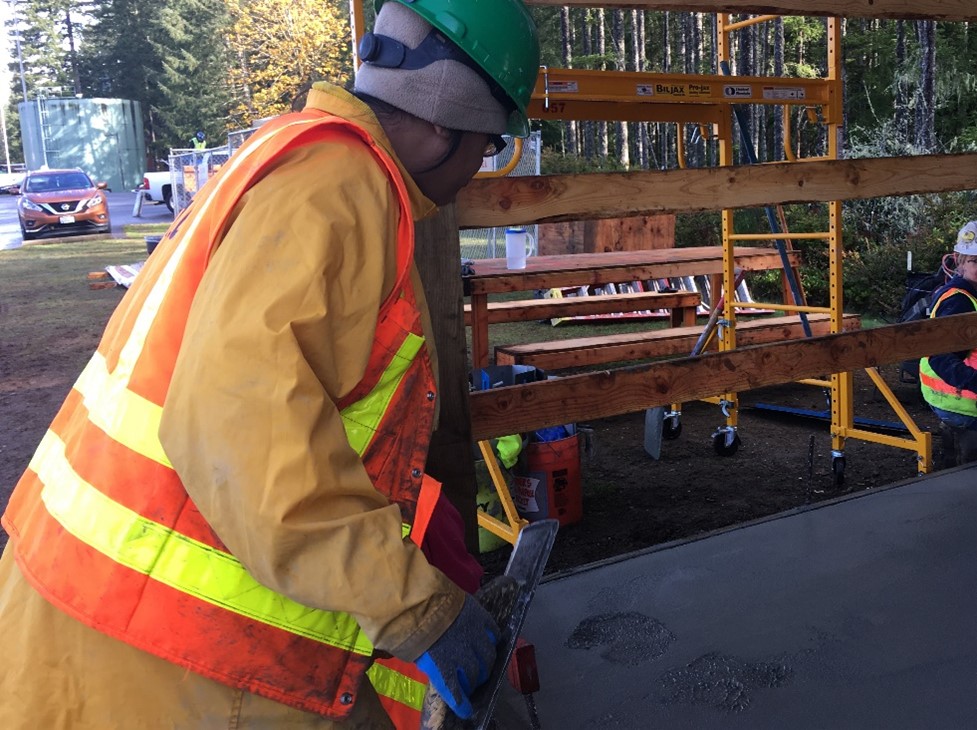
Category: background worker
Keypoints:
(949, 381)
(223, 525)
(199, 141)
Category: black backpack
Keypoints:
(916, 305)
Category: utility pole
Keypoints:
(20, 62)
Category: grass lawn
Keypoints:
(44, 285)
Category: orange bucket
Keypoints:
(546, 481)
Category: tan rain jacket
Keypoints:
(305, 521)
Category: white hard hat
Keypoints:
(967, 240)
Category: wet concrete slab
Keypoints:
(859, 613)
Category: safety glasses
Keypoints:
(496, 143)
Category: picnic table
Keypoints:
(490, 276)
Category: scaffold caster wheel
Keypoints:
(671, 428)
(838, 470)
(725, 443)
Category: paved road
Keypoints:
(120, 209)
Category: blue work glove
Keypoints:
(462, 658)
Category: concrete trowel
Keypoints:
(507, 599)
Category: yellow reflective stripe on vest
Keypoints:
(124, 416)
(362, 417)
(398, 687)
(176, 560)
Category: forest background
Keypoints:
(221, 65)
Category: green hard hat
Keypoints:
(498, 35)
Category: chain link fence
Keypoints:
(489, 243)
(190, 169)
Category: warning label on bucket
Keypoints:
(524, 494)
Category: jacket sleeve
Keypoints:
(951, 366)
(280, 329)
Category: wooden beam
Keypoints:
(529, 309)
(437, 255)
(584, 352)
(918, 9)
(520, 200)
(523, 408)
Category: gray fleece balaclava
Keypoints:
(447, 93)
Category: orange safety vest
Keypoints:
(936, 391)
(104, 529)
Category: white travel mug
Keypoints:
(516, 247)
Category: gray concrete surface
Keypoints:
(854, 614)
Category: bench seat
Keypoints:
(672, 342)
(683, 305)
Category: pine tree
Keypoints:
(193, 81)
(121, 59)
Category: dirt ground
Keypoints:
(629, 500)
(784, 461)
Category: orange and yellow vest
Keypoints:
(104, 529)
(936, 391)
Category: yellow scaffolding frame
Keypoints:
(508, 530)
(706, 100)
(842, 405)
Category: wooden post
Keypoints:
(451, 458)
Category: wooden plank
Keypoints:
(437, 254)
(639, 233)
(676, 341)
(574, 398)
(524, 200)
(595, 269)
(529, 309)
(909, 9)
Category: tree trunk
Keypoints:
(72, 52)
(587, 36)
(745, 68)
(925, 93)
(666, 41)
(900, 110)
(640, 129)
(603, 149)
(778, 71)
(566, 33)
(621, 143)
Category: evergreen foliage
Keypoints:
(194, 69)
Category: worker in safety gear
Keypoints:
(229, 520)
(199, 141)
(949, 381)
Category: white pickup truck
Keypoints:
(157, 187)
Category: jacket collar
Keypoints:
(339, 102)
